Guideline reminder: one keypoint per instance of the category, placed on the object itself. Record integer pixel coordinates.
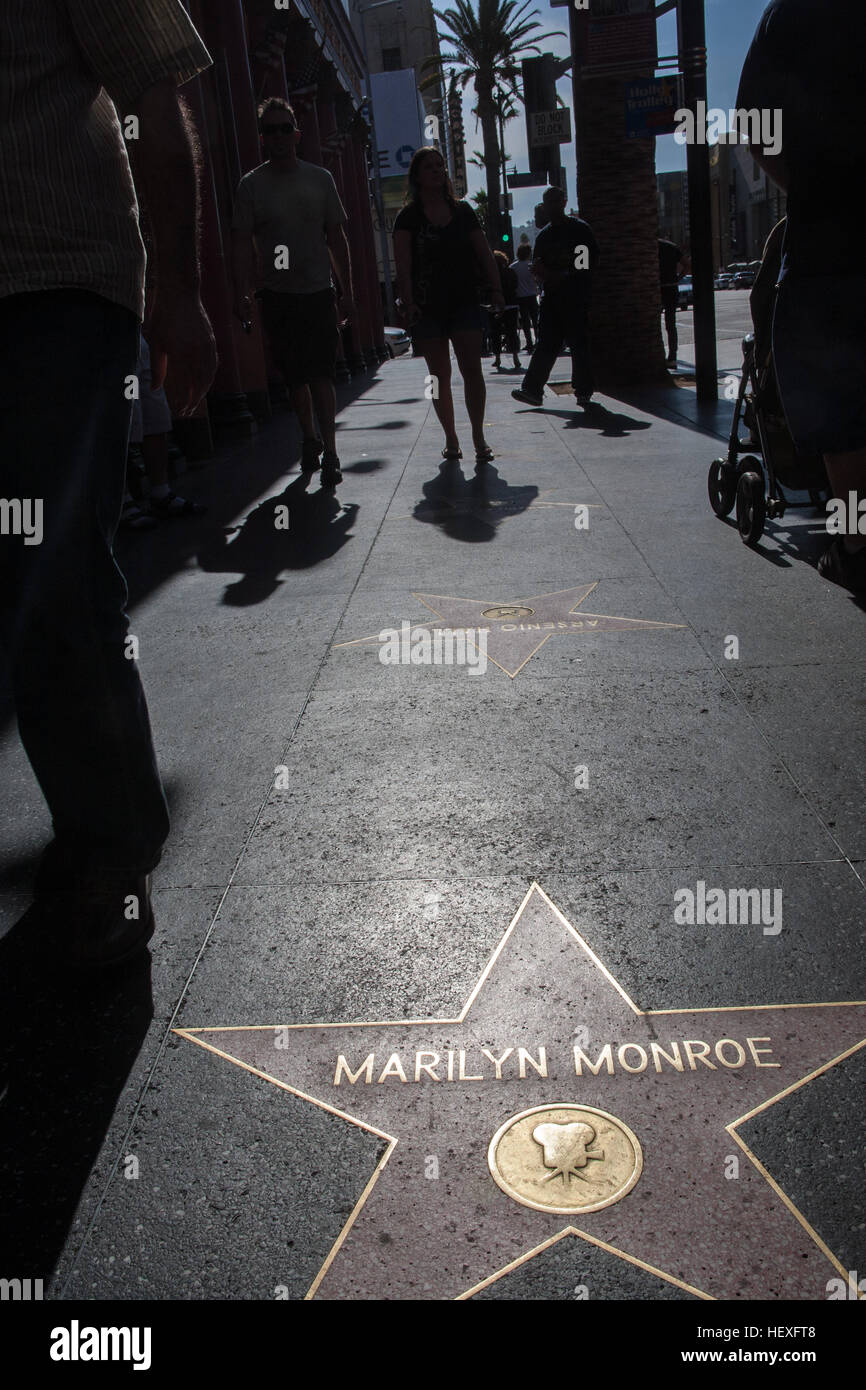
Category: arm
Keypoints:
(338, 246)
(489, 268)
(403, 264)
(164, 162)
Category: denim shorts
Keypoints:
(467, 318)
(819, 350)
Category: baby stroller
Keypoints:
(754, 483)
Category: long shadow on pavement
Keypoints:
(68, 1047)
(471, 509)
(293, 530)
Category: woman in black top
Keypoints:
(441, 253)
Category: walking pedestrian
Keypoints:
(505, 325)
(151, 426)
(671, 267)
(72, 274)
(441, 254)
(527, 294)
(566, 254)
(292, 211)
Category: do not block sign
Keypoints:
(550, 127)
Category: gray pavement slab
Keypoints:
(374, 878)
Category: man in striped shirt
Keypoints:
(76, 77)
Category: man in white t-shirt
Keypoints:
(527, 293)
(291, 211)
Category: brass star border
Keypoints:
(527, 623)
(683, 1221)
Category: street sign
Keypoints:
(620, 31)
(550, 127)
(533, 179)
(650, 106)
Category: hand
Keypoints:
(182, 338)
(243, 308)
(347, 306)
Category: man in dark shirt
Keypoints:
(670, 269)
(566, 254)
(806, 65)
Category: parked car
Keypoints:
(724, 281)
(397, 341)
(744, 280)
(685, 293)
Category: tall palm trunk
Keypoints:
(490, 140)
(617, 195)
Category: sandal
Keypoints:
(451, 455)
(172, 505)
(484, 455)
(844, 567)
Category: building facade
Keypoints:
(673, 193)
(399, 37)
(746, 205)
(306, 52)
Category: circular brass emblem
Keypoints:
(507, 611)
(565, 1158)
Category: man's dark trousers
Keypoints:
(562, 317)
(65, 356)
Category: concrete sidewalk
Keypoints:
(662, 708)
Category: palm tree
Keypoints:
(480, 201)
(487, 48)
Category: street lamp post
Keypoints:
(505, 219)
(692, 36)
(377, 175)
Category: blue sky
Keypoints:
(730, 26)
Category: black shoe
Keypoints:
(110, 921)
(527, 398)
(331, 474)
(98, 917)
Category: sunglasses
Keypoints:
(278, 129)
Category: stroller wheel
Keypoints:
(722, 487)
(751, 507)
(749, 464)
